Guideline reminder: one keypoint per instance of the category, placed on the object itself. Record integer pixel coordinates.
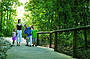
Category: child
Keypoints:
(28, 31)
(34, 35)
(25, 31)
(14, 37)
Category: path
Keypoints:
(24, 52)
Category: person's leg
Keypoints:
(35, 41)
(13, 42)
(20, 36)
(31, 40)
(17, 36)
(27, 41)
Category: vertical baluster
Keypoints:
(55, 43)
(50, 46)
(74, 44)
(37, 39)
(85, 37)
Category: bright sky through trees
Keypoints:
(23, 1)
(20, 12)
(0, 0)
(20, 9)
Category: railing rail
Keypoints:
(65, 30)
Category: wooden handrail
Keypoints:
(73, 29)
(46, 32)
(65, 30)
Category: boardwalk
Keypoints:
(24, 52)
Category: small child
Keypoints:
(14, 37)
(25, 31)
(28, 32)
(34, 35)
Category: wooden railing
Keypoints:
(66, 30)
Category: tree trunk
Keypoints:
(1, 18)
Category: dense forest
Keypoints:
(47, 15)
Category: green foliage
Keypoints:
(7, 14)
(48, 15)
(57, 14)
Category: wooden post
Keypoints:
(37, 39)
(50, 46)
(55, 43)
(85, 37)
(1, 17)
(74, 44)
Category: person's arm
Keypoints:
(16, 27)
(31, 31)
(16, 30)
(25, 31)
(36, 30)
(32, 26)
(21, 26)
(25, 34)
(12, 34)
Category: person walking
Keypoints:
(19, 32)
(13, 37)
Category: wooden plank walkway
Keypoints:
(24, 52)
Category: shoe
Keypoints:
(11, 45)
(19, 45)
(35, 45)
(26, 45)
(30, 46)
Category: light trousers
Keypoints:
(19, 35)
(30, 38)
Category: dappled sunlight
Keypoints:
(24, 1)
(20, 12)
(0, 0)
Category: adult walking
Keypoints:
(19, 32)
